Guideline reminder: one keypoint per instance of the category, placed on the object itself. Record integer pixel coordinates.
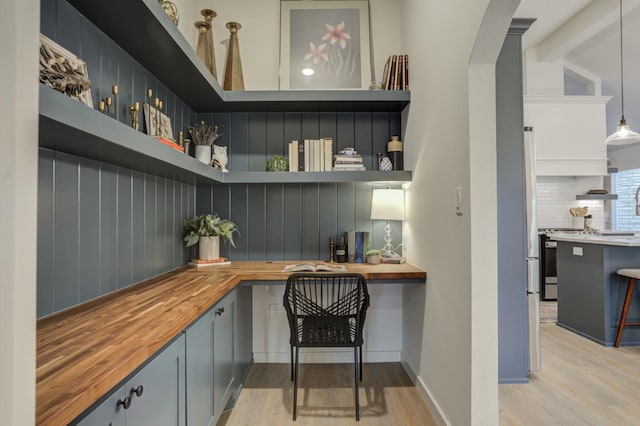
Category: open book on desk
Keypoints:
(315, 267)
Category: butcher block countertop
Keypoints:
(87, 350)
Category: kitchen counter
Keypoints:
(590, 293)
(84, 352)
(606, 238)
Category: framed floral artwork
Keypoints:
(324, 45)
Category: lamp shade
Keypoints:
(387, 204)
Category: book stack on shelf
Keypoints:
(348, 160)
(396, 73)
(357, 244)
(310, 155)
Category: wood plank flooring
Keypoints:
(325, 397)
(581, 383)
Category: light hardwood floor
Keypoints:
(581, 383)
(325, 397)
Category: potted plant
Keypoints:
(278, 163)
(373, 256)
(206, 230)
(203, 136)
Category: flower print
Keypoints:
(336, 34)
(316, 53)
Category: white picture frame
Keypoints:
(324, 45)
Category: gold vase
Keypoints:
(233, 71)
(204, 47)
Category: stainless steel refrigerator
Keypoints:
(533, 251)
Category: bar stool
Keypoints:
(633, 275)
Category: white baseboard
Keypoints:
(318, 356)
(426, 395)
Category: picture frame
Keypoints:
(162, 129)
(324, 45)
(63, 71)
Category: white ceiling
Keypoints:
(586, 32)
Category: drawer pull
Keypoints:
(126, 403)
(219, 311)
(137, 391)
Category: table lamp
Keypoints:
(388, 204)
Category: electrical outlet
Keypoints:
(459, 206)
(577, 251)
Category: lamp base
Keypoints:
(396, 260)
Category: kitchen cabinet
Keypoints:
(210, 369)
(569, 134)
(153, 396)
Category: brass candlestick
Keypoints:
(101, 106)
(204, 47)
(133, 110)
(114, 90)
(233, 72)
(109, 102)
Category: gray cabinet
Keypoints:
(210, 362)
(162, 397)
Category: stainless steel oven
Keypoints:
(548, 272)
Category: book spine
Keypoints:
(293, 156)
(387, 70)
(396, 77)
(290, 156)
(366, 244)
(316, 155)
(359, 248)
(351, 246)
(307, 156)
(406, 71)
(300, 156)
(328, 153)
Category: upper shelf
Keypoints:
(143, 29)
(597, 197)
(69, 126)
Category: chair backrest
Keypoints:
(326, 296)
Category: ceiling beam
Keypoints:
(595, 17)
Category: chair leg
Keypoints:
(295, 385)
(360, 363)
(291, 362)
(625, 310)
(356, 382)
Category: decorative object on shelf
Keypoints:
(396, 73)
(388, 204)
(347, 159)
(157, 123)
(394, 148)
(187, 145)
(341, 251)
(206, 230)
(233, 71)
(204, 47)
(373, 256)
(278, 163)
(108, 101)
(385, 164)
(134, 110)
(114, 90)
(101, 106)
(623, 134)
(325, 45)
(203, 136)
(171, 10)
(220, 158)
(63, 71)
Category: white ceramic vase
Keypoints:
(203, 153)
(209, 248)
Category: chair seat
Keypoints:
(629, 273)
(326, 331)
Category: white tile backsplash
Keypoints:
(557, 194)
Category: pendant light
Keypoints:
(623, 135)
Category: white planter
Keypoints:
(203, 153)
(209, 248)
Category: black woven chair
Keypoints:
(326, 310)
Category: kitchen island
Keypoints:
(590, 293)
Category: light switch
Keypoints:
(577, 251)
(459, 207)
(276, 311)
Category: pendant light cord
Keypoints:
(621, 66)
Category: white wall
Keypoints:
(440, 37)
(259, 38)
(19, 30)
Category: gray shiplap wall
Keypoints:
(293, 221)
(102, 228)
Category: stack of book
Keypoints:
(347, 161)
(396, 73)
(310, 155)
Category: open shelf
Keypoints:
(69, 126)
(142, 29)
(597, 197)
